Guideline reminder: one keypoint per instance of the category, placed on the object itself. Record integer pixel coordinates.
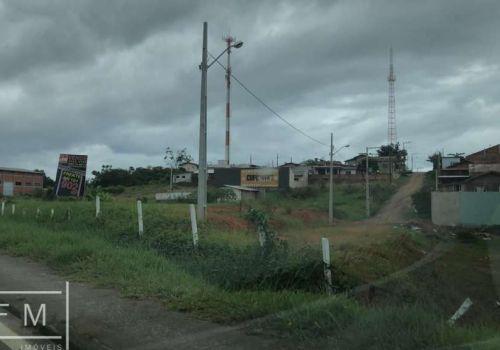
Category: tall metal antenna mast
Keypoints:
(391, 127)
(229, 40)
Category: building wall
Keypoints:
(262, 177)
(24, 183)
(183, 178)
(466, 208)
(191, 168)
(298, 177)
(445, 208)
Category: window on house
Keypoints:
(28, 183)
(18, 183)
(479, 188)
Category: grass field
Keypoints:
(229, 279)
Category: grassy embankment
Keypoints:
(228, 279)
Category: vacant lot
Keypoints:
(278, 289)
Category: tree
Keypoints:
(433, 158)
(176, 158)
(47, 181)
(398, 156)
(315, 161)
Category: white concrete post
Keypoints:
(3, 207)
(139, 218)
(37, 215)
(461, 310)
(194, 225)
(13, 209)
(52, 213)
(325, 246)
(97, 206)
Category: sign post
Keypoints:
(139, 218)
(194, 225)
(325, 245)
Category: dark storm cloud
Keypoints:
(119, 79)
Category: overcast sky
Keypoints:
(119, 80)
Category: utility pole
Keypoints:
(367, 197)
(438, 161)
(277, 160)
(330, 202)
(229, 40)
(202, 173)
(367, 180)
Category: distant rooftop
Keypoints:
(18, 170)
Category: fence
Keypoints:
(466, 208)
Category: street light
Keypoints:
(367, 176)
(202, 172)
(330, 201)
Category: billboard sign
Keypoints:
(264, 177)
(70, 178)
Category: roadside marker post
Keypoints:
(194, 225)
(325, 247)
(13, 209)
(68, 214)
(38, 212)
(139, 218)
(51, 213)
(3, 207)
(461, 311)
(97, 206)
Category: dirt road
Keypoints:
(400, 204)
(100, 319)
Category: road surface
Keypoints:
(396, 209)
(101, 319)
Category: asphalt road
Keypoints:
(12, 326)
(102, 319)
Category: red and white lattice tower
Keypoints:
(391, 127)
(229, 41)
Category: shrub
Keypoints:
(114, 189)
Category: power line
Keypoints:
(268, 107)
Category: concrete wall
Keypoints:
(466, 208)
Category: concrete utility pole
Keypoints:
(367, 179)
(229, 40)
(367, 196)
(330, 202)
(202, 172)
(438, 161)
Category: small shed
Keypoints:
(245, 193)
(183, 178)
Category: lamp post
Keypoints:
(202, 172)
(367, 179)
(330, 201)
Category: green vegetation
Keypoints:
(229, 278)
(422, 198)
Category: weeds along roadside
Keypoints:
(238, 298)
(167, 232)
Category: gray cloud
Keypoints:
(119, 79)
